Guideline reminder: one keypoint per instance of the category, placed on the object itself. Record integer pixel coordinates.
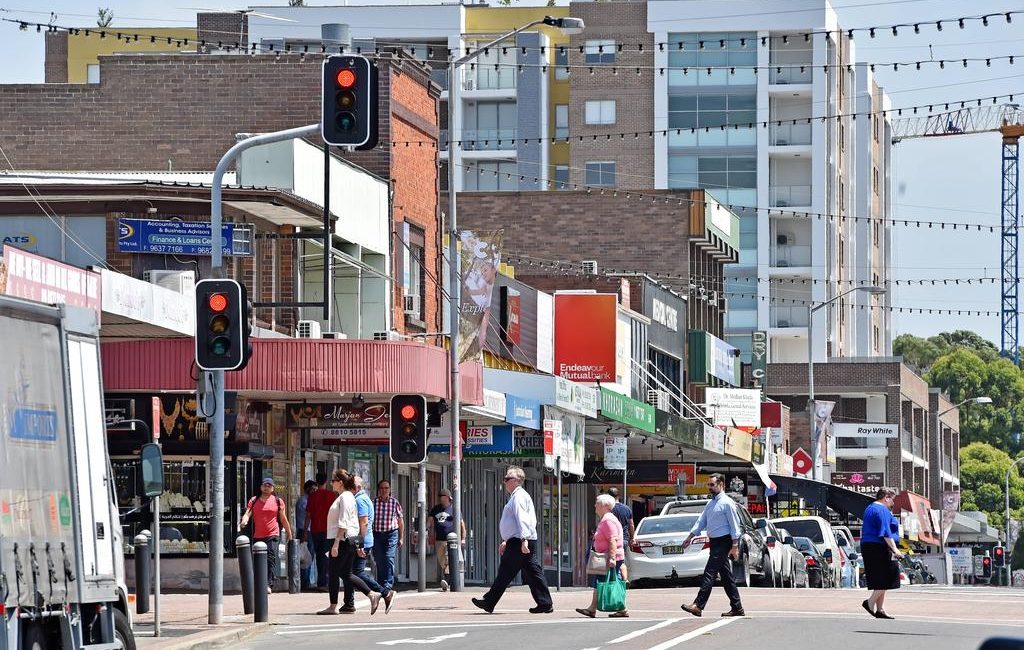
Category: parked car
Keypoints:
(795, 558)
(782, 558)
(819, 572)
(820, 532)
(656, 551)
(755, 564)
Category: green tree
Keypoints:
(982, 483)
(104, 16)
(918, 352)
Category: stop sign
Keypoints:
(801, 461)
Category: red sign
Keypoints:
(585, 328)
(801, 462)
(510, 313)
(156, 417)
(688, 471)
(41, 279)
(757, 508)
(771, 414)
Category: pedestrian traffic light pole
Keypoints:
(568, 25)
(216, 377)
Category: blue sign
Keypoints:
(34, 425)
(522, 412)
(176, 237)
(501, 443)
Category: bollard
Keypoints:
(244, 551)
(454, 561)
(142, 576)
(259, 583)
(294, 567)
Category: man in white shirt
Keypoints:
(518, 549)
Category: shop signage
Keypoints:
(575, 397)
(714, 439)
(687, 470)
(759, 361)
(41, 279)
(494, 405)
(627, 410)
(865, 430)
(147, 303)
(664, 314)
(482, 436)
(738, 443)
(801, 462)
(676, 429)
(710, 356)
(785, 464)
(961, 560)
(511, 310)
(116, 410)
(771, 415)
(522, 412)
(545, 332)
(757, 508)
(179, 237)
(738, 407)
(329, 416)
(498, 441)
(615, 449)
(585, 335)
(552, 442)
(644, 471)
(866, 482)
(348, 436)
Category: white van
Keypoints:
(820, 532)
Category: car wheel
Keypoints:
(769, 578)
(741, 571)
(123, 630)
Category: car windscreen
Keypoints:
(804, 544)
(667, 524)
(806, 528)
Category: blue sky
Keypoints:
(946, 179)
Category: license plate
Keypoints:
(672, 550)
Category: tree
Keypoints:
(104, 16)
(982, 479)
(296, 3)
(918, 352)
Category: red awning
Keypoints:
(920, 509)
(295, 368)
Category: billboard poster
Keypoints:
(586, 326)
(480, 258)
(734, 407)
(41, 279)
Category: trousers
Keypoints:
(514, 562)
(719, 564)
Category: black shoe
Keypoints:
(867, 606)
(542, 610)
(734, 612)
(482, 604)
(347, 609)
(881, 614)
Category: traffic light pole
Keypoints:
(216, 569)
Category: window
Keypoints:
(491, 126)
(561, 120)
(92, 73)
(736, 111)
(599, 51)
(874, 337)
(876, 230)
(413, 276)
(600, 112)
(719, 51)
(491, 177)
(601, 174)
(732, 179)
(561, 177)
(561, 64)
(874, 179)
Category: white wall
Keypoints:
(365, 22)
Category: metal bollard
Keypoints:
(244, 551)
(259, 586)
(294, 567)
(142, 577)
(454, 561)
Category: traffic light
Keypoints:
(349, 102)
(408, 429)
(222, 328)
(999, 555)
(986, 567)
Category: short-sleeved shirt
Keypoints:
(624, 515)
(316, 509)
(264, 516)
(876, 524)
(608, 528)
(444, 521)
(364, 508)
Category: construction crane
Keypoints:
(1008, 120)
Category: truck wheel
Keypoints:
(33, 637)
(123, 630)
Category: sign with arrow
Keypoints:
(428, 641)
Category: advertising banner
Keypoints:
(569, 440)
(33, 277)
(738, 443)
(179, 237)
(480, 257)
(714, 439)
(822, 426)
(736, 407)
(627, 410)
(585, 336)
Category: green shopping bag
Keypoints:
(611, 593)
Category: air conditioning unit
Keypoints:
(183, 282)
(335, 335)
(781, 142)
(590, 267)
(782, 240)
(411, 305)
(782, 323)
(781, 203)
(723, 304)
(469, 84)
(658, 398)
(387, 336)
(308, 329)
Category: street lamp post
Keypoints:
(1006, 542)
(568, 25)
(811, 308)
(936, 424)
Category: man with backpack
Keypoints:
(269, 514)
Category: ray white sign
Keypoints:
(865, 430)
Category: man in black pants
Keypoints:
(722, 523)
(518, 550)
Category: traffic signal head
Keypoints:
(222, 328)
(999, 555)
(986, 567)
(408, 429)
(349, 102)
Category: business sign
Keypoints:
(522, 412)
(481, 436)
(545, 332)
(678, 430)
(615, 452)
(759, 360)
(664, 314)
(33, 277)
(627, 410)
(738, 443)
(585, 335)
(349, 436)
(643, 471)
(511, 311)
(688, 472)
(568, 436)
(328, 416)
(961, 560)
(148, 303)
(771, 415)
(494, 405)
(576, 397)
(865, 430)
(737, 407)
(179, 237)
(714, 439)
(864, 482)
(495, 441)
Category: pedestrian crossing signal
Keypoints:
(999, 554)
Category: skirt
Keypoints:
(881, 569)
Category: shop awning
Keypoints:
(295, 368)
(821, 494)
(919, 509)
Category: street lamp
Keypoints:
(569, 26)
(936, 424)
(811, 308)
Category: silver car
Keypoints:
(656, 551)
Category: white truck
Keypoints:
(61, 559)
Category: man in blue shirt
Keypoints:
(364, 510)
(722, 522)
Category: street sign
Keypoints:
(961, 560)
(614, 452)
(801, 462)
(156, 418)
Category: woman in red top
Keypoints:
(607, 539)
(268, 513)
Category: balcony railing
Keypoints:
(487, 78)
(790, 74)
(791, 316)
(791, 256)
(489, 139)
(790, 134)
(783, 196)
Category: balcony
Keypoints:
(789, 74)
(786, 196)
(490, 79)
(788, 135)
(790, 256)
(788, 316)
(484, 140)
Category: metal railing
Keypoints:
(790, 134)
(788, 316)
(791, 256)
(783, 196)
(489, 139)
(791, 74)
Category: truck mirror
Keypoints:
(151, 470)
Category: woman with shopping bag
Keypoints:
(605, 564)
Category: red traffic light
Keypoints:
(217, 302)
(999, 551)
(346, 78)
(986, 560)
(408, 412)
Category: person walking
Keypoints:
(624, 514)
(302, 527)
(518, 549)
(880, 553)
(316, 521)
(343, 527)
(722, 522)
(443, 515)
(364, 510)
(388, 533)
(608, 540)
(269, 514)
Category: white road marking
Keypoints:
(376, 627)
(430, 641)
(671, 643)
(635, 634)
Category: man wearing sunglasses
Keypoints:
(722, 523)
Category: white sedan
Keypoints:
(656, 551)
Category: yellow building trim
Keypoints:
(84, 51)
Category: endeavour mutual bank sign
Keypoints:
(585, 331)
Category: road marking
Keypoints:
(376, 627)
(635, 634)
(909, 618)
(671, 643)
(431, 640)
